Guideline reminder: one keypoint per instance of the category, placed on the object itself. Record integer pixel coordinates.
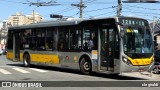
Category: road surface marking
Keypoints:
(4, 71)
(39, 70)
(7, 66)
(21, 70)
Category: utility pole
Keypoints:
(81, 6)
(119, 9)
(33, 16)
(154, 23)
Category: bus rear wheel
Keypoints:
(85, 66)
(26, 60)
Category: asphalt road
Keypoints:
(55, 78)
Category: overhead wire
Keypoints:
(70, 8)
(102, 14)
(140, 11)
(150, 13)
(142, 7)
(88, 1)
(96, 10)
(58, 12)
(98, 2)
(75, 14)
(11, 1)
(101, 9)
(62, 11)
(26, 9)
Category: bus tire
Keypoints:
(26, 60)
(85, 66)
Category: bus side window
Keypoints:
(117, 46)
(63, 39)
(61, 46)
(55, 40)
(40, 40)
(51, 41)
(89, 39)
(75, 39)
(85, 46)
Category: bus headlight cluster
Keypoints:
(125, 60)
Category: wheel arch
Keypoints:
(24, 59)
(26, 52)
(88, 58)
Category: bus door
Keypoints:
(16, 46)
(107, 43)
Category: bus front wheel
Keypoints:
(85, 66)
(26, 60)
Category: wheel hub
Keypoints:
(86, 66)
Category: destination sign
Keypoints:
(128, 21)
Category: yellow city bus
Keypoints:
(107, 45)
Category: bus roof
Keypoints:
(46, 24)
(61, 23)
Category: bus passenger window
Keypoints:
(51, 39)
(55, 40)
(85, 46)
(63, 39)
(61, 46)
(75, 39)
(92, 42)
(89, 39)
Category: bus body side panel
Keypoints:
(72, 60)
(58, 59)
(9, 54)
(43, 57)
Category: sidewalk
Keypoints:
(144, 75)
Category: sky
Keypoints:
(95, 8)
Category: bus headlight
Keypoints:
(125, 60)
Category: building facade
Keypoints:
(17, 19)
(3, 32)
(155, 25)
(20, 19)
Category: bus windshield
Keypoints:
(137, 40)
